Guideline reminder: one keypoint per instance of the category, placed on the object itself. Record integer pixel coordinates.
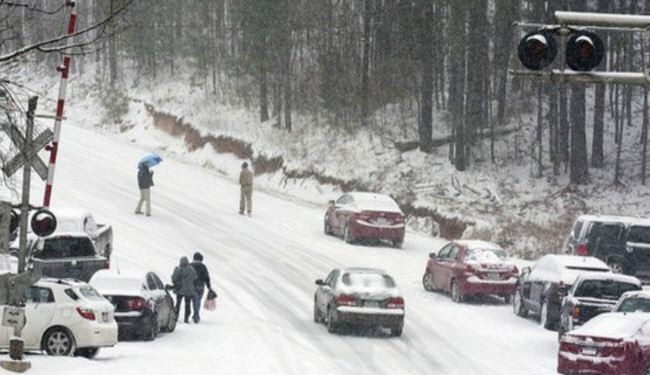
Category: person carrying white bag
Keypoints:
(202, 281)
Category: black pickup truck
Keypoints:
(66, 255)
(591, 295)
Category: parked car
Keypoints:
(634, 301)
(621, 242)
(540, 289)
(84, 221)
(593, 294)
(469, 268)
(66, 255)
(365, 215)
(609, 344)
(577, 243)
(359, 296)
(64, 317)
(143, 306)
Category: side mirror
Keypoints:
(433, 255)
(320, 282)
(562, 291)
(331, 203)
(525, 270)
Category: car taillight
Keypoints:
(398, 218)
(395, 303)
(136, 304)
(582, 250)
(364, 215)
(86, 313)
(346, 300)
(575, 312)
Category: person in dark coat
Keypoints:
(202, 281)
(145, 182)
(183, 280)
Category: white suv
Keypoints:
(65, 317)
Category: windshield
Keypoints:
(367, 280)
(486, 255)
(604, 289)
(634, 304)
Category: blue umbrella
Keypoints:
(150, 160)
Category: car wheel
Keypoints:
(58, 341)
(326, 226)
(518, 305)
(317, 316)
(456, 293)
(332, 325)
(397, 244)
(427, 281)
(171, 321)
(347, 236)
(89, 353)
(150, 327)
(543, 316)
(507, 298)
(616, 266)
(397, 330)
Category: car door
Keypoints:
(449, 267)
(40, 309)
(437, 266)
(167, 303)
(342, 212)
(157, 297)
(540, 282)
(605, 240)
(326, 291)
(638, 248)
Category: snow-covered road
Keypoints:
(264, 269)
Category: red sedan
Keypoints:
(609, 344)
(464, 268)
(365, 215)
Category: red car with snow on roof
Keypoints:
(465, 268)
(609, 344)
(365, 215)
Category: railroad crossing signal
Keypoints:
(28, 150)
(582, 52)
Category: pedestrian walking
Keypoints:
(183, 280)
(246, 196)
(145, 182)
(202, 281)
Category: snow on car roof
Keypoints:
(48, 281)
(374, 201)
(363, 270)
(69, 234)
(613, 325)
(576, 261)
(609, 276)
(478, 244)
(636, 293)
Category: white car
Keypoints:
(65, 317)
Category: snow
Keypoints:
(374, 202)
(566, 268)
(263, 269)
(613, 325)
(608, 276)
(109, 282)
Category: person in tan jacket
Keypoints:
(246, 183)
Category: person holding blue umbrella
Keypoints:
(145, 182)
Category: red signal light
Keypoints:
(584, 51)
(43, 223)
(537, 50)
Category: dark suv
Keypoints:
(621, 242)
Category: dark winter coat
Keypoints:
(145, 177)
(183, 278)
(202, 275)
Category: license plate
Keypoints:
(381, 221)
(589, 350)
(371, 304)
(493, 276)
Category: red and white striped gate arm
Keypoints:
(64, 70)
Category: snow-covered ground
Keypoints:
(264, 269)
